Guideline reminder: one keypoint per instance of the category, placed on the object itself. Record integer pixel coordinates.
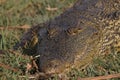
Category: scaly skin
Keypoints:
(72, 39)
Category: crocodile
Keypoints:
(71, 40)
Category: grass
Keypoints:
(21, 12)
(30, 11)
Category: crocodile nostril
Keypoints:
(56, 65)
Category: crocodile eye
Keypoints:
(34, 40)
(52, 32)
(73, 31)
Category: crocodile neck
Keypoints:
(108, 5)
(105, 16)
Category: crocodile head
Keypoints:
(75, 37)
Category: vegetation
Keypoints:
(30, 12)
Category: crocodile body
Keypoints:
(89, 28)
